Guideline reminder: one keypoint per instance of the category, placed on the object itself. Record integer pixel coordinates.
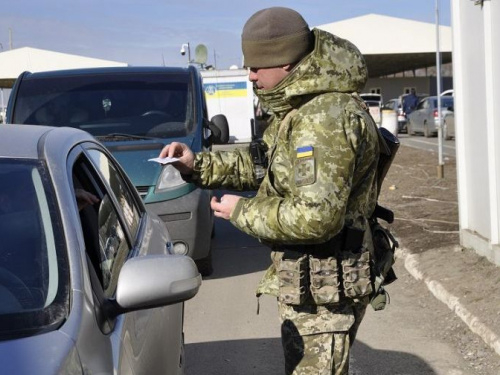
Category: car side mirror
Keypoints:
(152, 281)
(219, 127)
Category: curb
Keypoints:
(411, 263)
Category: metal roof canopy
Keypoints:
(393, 45)
(16, 61)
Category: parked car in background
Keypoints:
(135, 111)
(394, 106)
(447, 93)
(424, 119)
(84, 288)
(449, 124)
(374, 103)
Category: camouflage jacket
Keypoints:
(322, 157)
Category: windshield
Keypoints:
(371, 97)
(33, 264)
(138, 104)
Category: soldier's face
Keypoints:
(268, 78)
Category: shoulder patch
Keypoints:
(305, 171)
(306, 151)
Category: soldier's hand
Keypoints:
(225, 206)
(183, 153)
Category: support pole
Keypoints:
(440, 167)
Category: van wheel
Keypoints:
(205, 267)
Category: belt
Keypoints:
(348, 239)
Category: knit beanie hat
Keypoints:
(274, 37)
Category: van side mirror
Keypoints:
(220, 129)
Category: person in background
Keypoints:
(318, 188)
(410, 102)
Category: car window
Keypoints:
(119, 187)
(447, 101)
(371, 97)
(151, 105)
(33, 259)
(391, 104)
(108, 223)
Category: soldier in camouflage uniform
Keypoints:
(319, 188)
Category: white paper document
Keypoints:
(166, 160)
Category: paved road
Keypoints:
(225, 336)
(428, 144)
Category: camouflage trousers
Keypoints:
(317, 339)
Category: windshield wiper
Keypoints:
(117, 136)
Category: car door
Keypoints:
(148, 341)
(418, 116)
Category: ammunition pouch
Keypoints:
(325, 272)
(356, 274)
(293, 278)
(325, 280)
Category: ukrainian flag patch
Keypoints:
(303, 152)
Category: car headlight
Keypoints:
(169, 178)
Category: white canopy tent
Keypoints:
(16, 61)
(393, 45)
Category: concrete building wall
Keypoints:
(476, 58)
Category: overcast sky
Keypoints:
(151, 32)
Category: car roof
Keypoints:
(111, 70)
(23, 141)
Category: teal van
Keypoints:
(134, 112)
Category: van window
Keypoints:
(144, 105)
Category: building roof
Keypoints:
(393, 45)
(16, 61)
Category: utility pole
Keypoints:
(2, 105)
(440, 167)
(10, 38)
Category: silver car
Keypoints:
(87, 286)
(424, 119)
(395, 106)
(449, 124)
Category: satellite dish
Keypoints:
(200, 54)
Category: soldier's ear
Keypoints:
(288, 68)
